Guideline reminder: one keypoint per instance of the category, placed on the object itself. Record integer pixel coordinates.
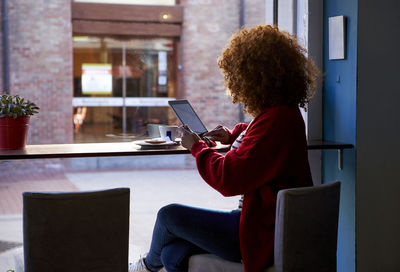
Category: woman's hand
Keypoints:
(220, 133)
(189, 138)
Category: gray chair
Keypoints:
(76, 231)
(305, 233)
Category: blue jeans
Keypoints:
(181, 231)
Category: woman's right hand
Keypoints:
(220, 133)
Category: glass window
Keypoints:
(121, 85)
(143, 67)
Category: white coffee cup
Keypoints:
(172, 132)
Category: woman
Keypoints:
(267, 71)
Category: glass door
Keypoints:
(120, 86)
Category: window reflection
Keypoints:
(121, 85)
(146, 65)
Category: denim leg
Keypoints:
(213, 231)
(175, 256)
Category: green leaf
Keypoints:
(12, 105)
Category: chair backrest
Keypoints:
(306, 228)
(76, 231)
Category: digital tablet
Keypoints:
(186, 114)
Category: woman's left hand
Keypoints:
(189, 138)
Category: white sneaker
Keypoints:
(139, 266)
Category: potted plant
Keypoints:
(15, 113)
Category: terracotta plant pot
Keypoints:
(13, 132)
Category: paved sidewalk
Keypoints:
(150, 190)
(14, 183)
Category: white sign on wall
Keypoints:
(96, 78)
(337, 35)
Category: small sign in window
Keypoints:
(96, 78)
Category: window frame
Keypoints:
(294, 11)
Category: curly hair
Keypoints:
(264, 67)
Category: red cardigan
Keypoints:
(271, 157)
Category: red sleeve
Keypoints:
(260, 158)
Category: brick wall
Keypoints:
(254, 12)
(1, 48)
(207, 26)
(40, 47)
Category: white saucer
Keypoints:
(144, 144)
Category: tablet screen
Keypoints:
(185, 113)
